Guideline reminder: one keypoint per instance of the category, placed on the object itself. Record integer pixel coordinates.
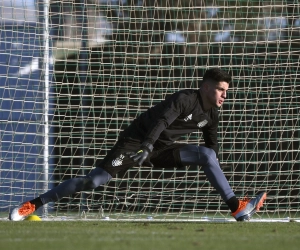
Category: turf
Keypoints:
(102, 235)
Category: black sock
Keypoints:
(233, 204)
(37, 202)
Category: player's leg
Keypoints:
(179, 155)
(94, 179)
(115, 161)
(184, 155)
(206, 157)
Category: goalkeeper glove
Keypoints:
(142, 155)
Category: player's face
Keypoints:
(216, 93)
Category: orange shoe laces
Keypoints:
(242, 204)
(26, 209)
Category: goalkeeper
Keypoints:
(150, 140)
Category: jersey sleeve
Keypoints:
(173, 107)
(210, 134)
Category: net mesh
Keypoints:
(114, 59)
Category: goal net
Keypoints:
(74, 74)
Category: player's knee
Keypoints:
(90, 183)
(96, 179)
(207, 155)
(197, 155)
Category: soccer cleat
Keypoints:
(247, 207)
(22, 211)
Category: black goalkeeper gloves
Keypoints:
(142, 155)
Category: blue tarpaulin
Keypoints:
(21, 114)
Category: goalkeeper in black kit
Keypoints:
(150, 140)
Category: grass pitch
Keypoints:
(85, 235)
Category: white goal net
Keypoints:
(73, 74)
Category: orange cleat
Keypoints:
(247, 207)
(22, 211)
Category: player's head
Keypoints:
(214, 87)
(217, 75)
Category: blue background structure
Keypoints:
(21, 113)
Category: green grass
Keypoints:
(103, 235)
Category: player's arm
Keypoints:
(175, 105)
(147, 146)
(210, 135)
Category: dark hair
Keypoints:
(217, 75)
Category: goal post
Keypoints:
(113, 60)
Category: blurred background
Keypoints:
(109, 60)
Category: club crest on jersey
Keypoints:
(118, 161)
(202, 124)
(189, 117)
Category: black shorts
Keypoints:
(117, 161)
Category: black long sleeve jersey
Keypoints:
(180, 114)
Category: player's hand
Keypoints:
(142, 155)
